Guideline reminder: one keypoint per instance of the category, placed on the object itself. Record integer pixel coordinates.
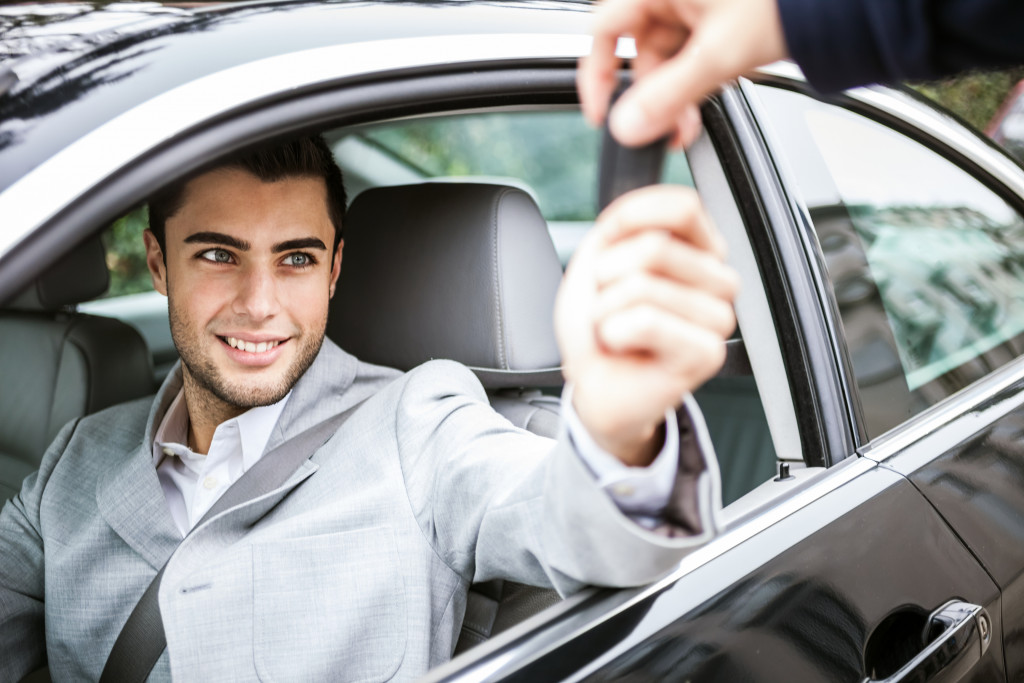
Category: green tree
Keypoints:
(975, 97)
(126, 254)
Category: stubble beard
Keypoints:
(236, 397)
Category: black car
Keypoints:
(869, 421)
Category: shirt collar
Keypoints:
(254, 428)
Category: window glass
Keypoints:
(126, 255)
(925, 260)
(553, 155)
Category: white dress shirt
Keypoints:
(192, 482)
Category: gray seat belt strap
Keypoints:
(142, 640)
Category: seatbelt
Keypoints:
(142, 640)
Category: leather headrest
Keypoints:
(466, 272)
(80, 275)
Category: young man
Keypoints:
(357, 567)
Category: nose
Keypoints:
(257, 295)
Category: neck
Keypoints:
(205, 413)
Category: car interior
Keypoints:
(438, 263)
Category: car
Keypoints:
(868, 421)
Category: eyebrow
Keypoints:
(217, 238)
(301, 243)
(235, 243)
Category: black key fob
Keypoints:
(627, 168)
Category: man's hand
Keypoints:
(685, 50)
(642, 316)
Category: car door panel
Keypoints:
(978, 487)
(796, 601)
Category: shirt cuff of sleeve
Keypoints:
(637, 491)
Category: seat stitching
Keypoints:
(496, 263)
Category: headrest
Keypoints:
(80, 275)
(460, 271)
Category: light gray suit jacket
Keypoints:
(356, 569)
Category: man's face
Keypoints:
(248, 278)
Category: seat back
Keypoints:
(57, 365)
(466, 272)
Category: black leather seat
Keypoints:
(466, 272)
(57, 365)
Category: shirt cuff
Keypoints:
(640, 492)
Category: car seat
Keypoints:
(57, 365)
(467, 272)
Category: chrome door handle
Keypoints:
(965, 637)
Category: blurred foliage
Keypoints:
(975, 97)
(554, 154)
(126, 254)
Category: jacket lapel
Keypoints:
(129, 495)
(321, 392)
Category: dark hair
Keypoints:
(306, 157)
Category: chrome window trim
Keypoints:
(951, 421)
(96, 156)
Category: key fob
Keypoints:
(627, 168)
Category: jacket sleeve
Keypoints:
(845, 43)
(22, 634)
(495, 501)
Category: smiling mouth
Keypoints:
(251, 347)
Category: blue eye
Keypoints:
(216, 255)
(299, 260)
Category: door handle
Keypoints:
(965, 631)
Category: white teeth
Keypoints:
(250, 347)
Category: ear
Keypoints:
(155, 262)
(336, 267)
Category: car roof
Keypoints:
(69, 72)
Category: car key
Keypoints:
(627, 168)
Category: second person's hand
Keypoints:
(685, 50)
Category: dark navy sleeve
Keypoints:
(844, 43)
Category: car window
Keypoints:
(126, 255)
(925, 260)
(551, 154)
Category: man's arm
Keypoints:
(22, 634)
(642, 316)
(497, 502)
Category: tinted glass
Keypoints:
(925, 260)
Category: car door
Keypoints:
(832, 572)
(928, 238)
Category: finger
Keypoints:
(688, 303)
(661, 255)
(596, 75)
(678, 344)
(656, 42)
(651, 107)
(671, 208)
(596, 78)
